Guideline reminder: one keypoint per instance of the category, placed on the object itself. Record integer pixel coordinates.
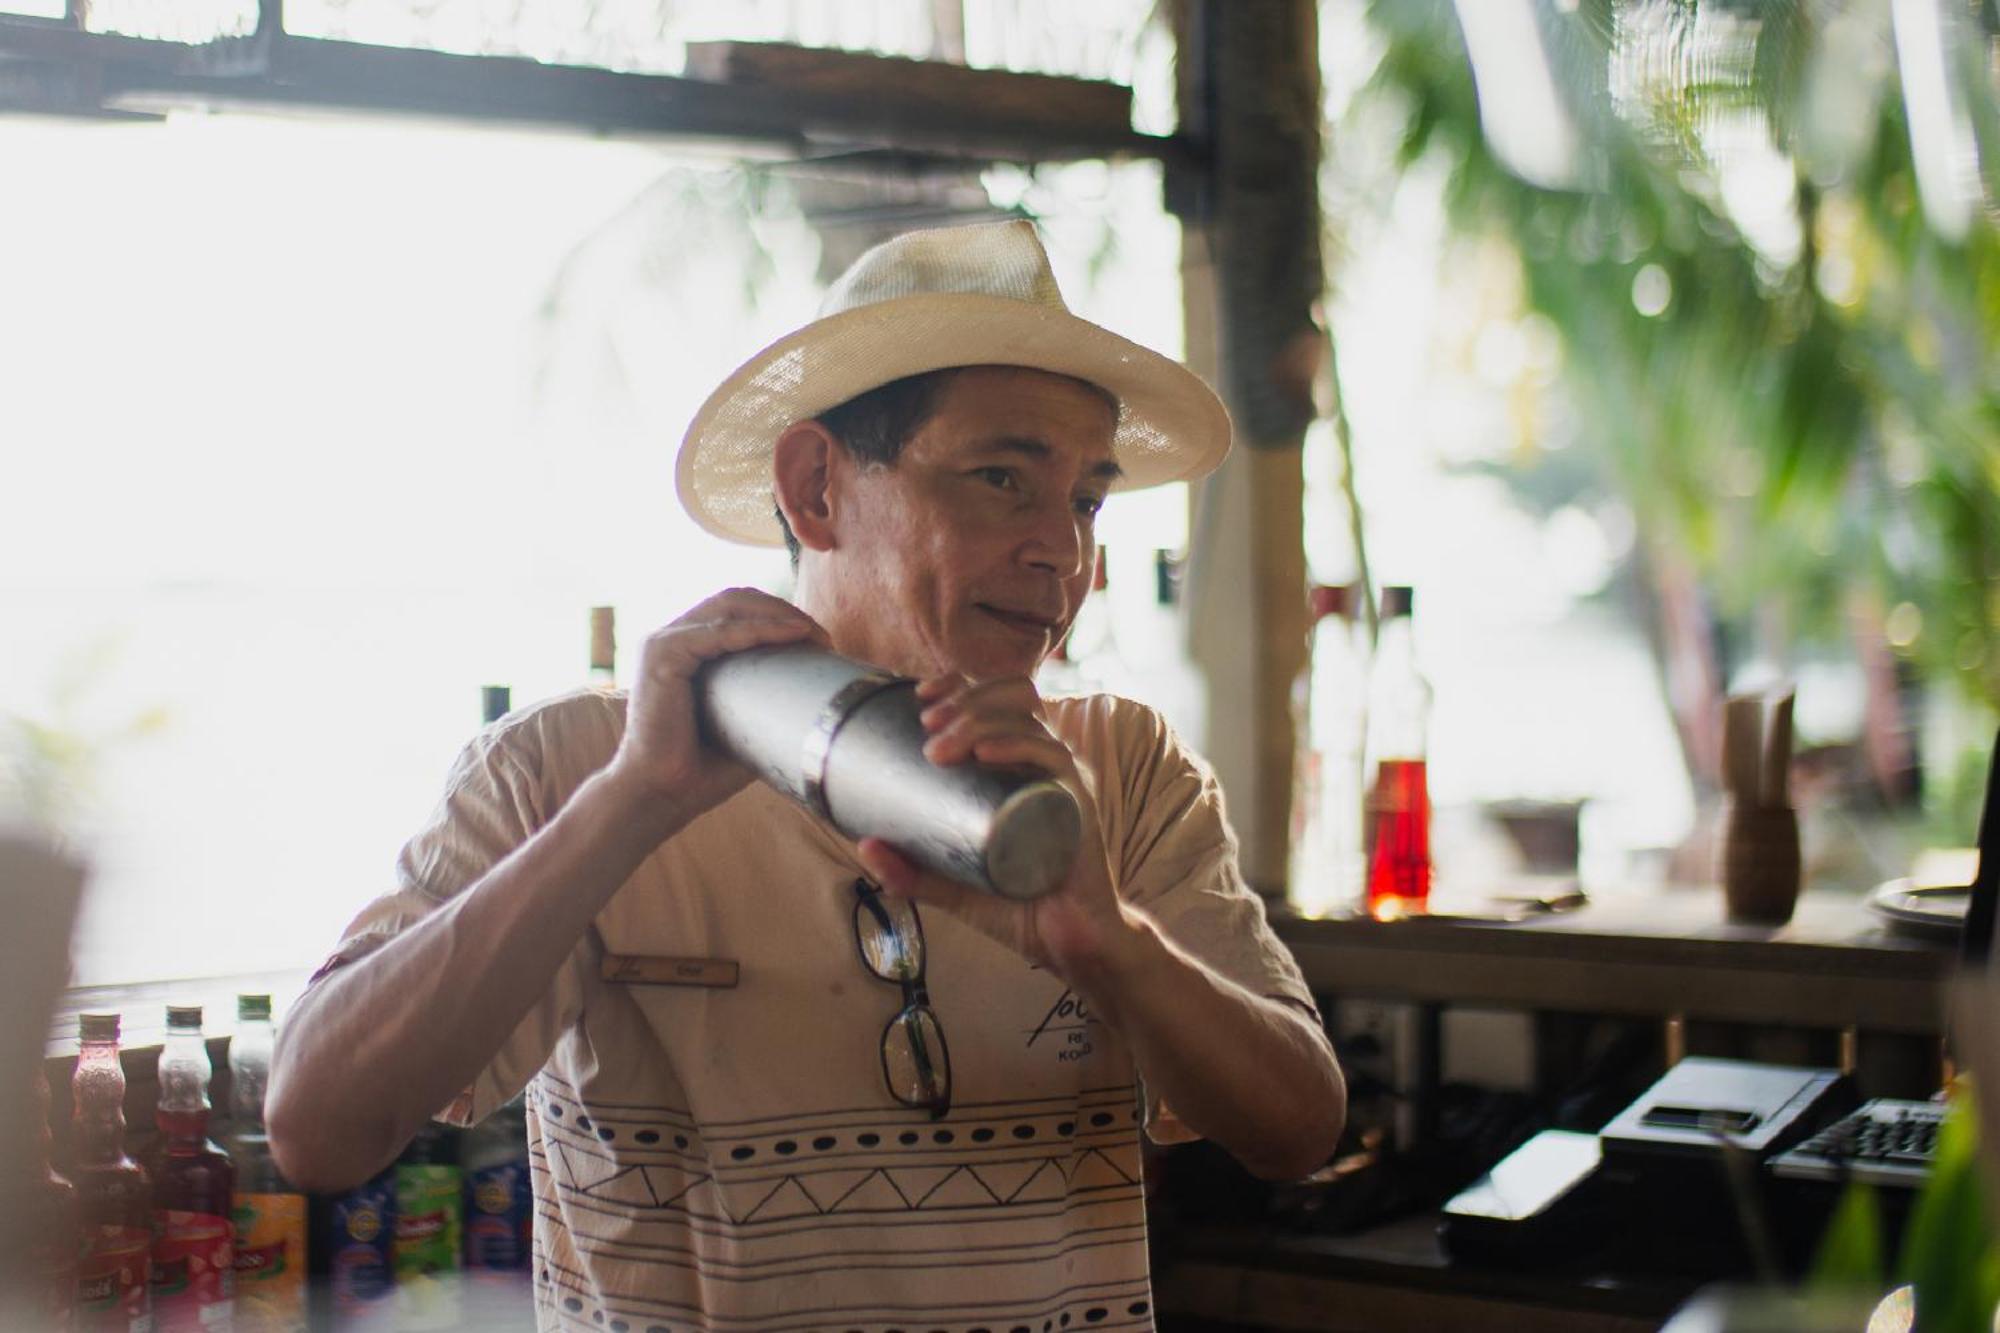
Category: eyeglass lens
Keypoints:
(892, 941)
(913, 1058)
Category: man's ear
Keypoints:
(803, 467)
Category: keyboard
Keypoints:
(1885, 1142)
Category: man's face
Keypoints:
(973, 551)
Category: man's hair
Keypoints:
(876, 423)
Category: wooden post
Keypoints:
(1250, 95)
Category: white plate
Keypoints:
(1937, 911)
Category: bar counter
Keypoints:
(1650, 953)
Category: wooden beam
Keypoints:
(1250, 92)
(913, 106)
(927, 87)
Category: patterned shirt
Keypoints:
(719, 1150)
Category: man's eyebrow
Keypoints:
(1028, 446)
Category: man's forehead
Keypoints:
(1097, 460)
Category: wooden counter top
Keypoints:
(1646, 953)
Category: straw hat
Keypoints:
(928, 300)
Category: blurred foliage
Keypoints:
(1950, 1260)
(50, 764)
(1810, 414)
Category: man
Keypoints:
(879, 1100)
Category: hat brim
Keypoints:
(1171, 426)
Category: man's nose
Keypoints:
(1057, 543)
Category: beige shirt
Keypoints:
(729, 1157)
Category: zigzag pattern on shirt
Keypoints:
(808, 1193)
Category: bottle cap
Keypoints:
(1329, 599)
(603, 637)
(495, 701)
(1166, 578)
(184, 1016)
(97, 1027)
(1397, 600)
(251, 1008)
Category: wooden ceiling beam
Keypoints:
(791, 100)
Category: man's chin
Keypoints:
(994, 661)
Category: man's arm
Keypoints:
(1246, 1071)
(382, 1044)
(379, 1046)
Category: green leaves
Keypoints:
(1949, 1253)
(1790, 403)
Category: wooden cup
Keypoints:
(1758, 862)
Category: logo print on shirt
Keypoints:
(1068, 1018)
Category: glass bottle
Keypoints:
(603, 648)
(1397, 820)
(495, 702)
(194, 1235)
(269, 1214)
(113, 1195)
(54, 1232)
(1329, 704)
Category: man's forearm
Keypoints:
(382, 1044)
(1240, 1069)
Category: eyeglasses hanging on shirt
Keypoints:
(916, 1064)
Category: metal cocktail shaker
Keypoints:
(844, 740)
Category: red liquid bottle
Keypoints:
(113, 1196)
(1397, 818)
(54, 1230)
(194, 1253)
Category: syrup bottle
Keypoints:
(113, 1195)
(194, 1247)
(1397, 816)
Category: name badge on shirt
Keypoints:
(653, 970)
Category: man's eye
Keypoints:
(1089, 505)
(1001, 477)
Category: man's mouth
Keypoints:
(1026, 622)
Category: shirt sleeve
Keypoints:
(494, 800)
(1175, 855)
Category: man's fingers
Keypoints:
(951, 696)
(962, 736)
(901, 877)
(686, 646)
(932, 688)
(1017, 750)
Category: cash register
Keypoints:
(1653, 1188)
(1660, 1174)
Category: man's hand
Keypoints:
(1001, 722)
(661, 759)
(1253, 1074)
